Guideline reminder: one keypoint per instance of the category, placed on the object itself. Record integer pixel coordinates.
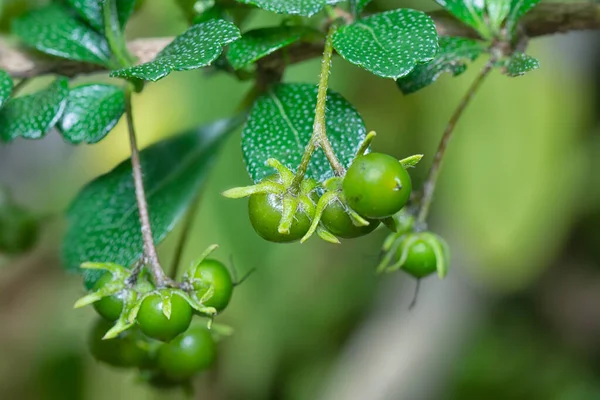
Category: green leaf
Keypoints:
(174, 171)
(6, 87)
(91, 11)
(358, 6)
(306, 8)
(259, 43)
(280, 126)
(32, 116)
(389, 44)
(197, 47)
(470, 12)
(497, 11)
(91, 112)
(453, 56)
(519, 64)
(518, 9)
(55, 31)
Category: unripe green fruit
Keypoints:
(376, 186)
(109, 307)
(187, 354)
(214, 273)
(337, 221)
(265, 212)
(129, 349)
(154, 323)
(420, 261)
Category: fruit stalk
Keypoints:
(319, 137)
(431, 182)
(150, 253)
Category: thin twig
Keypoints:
(430, 184)
(150, 253)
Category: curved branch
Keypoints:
(545, 19)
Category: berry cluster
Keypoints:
(151, 328)
(287, 207)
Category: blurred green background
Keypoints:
(519, 203)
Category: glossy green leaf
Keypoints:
(6, 87)
(497, 11)
(519, 64)
(358, 5)
(453, 56)
(91, 112)
(280, 126)
(471, 12)
(518, 9)
(91, 11)
(306, 8)
(55, 31)
(197, 47)
(103, 219)
(32, 116)
(259, 43)
(389, 44)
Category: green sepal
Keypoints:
(442, 253)
(165, 298)
(406, 242)
(324, 201)
(364, 146)
(262, 187)
(326, 235)
(191, 272)
(412, 161)
(290, 207)
(131, 306)
(198, 303)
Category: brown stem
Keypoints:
(150, 256)
(430, 184)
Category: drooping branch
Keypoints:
(545, 19)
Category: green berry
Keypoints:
(337, 221)
(214, 273)
(376, 185)
(154, 323)
(187, 354)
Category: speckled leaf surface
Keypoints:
(389, 44)
(518, 9)
(497, 11)
(103, 220)
(91, 11)
(32, 116)
(280, 125)
(359, 5)
(55, 31)
(453, 56)
(197, 47)
(306, 8)
(471, 12)
(91, 112)
(6, 87)
(519, 64)
(258, 43)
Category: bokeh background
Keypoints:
(519, 202)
